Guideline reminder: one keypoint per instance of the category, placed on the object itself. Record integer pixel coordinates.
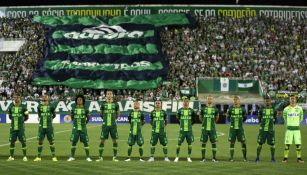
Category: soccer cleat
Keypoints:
(231, 160)
(244, 160)
(176, 159)
(37, 159)
(166, 159)
(115, 160)
(128, 160)
(214, 160)
(24, 159)
(285, 160)
(89, 159)
(151, 159)
(99, 159)
(71, 159)
(54, 159)
(257, 160)
(10, 158)
(142, 160)
(273, 160)
(299, 160)
(203, 160)
(189, 159)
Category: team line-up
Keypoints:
(292, 115)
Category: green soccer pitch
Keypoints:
(80, 166)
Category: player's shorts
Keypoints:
(138, 138)
(106, 130)
(188, 135)
(158, 136)
(20, 134)
(42, 132)
(266, 136)
(236, 134)
(293, 135)
(206, 134)
(79, 134)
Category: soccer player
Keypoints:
(136, 120)
(236, 117)
(186, 117)
(158, 121)
(80, 117)
(267, 119)
(209, 116)
(109, 113)
(18, 114)
(293, 116)
(46, 113)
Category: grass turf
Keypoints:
(80, 166)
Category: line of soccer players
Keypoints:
(292, 114)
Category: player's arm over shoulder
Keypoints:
(9, 111)
(216, 114)
(52, 108)
(25, 112)
(259, 114)
(301, 113)
(72, 113)
(117, 110)
(129, 116)
(87, 115)
(194, 115)
(165, 117)
(178, 115)
(244, 113)
(228, 113)
(201, 113)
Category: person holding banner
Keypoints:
(293, 116)
(236, 116)
(109, 113)
(267, 119)
(46, 113)
(209, 115)
(158, 121)
(137, 120)
(18, 114)
(80, 117)
(186, 117)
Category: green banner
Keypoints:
(125, 10)
(110, 52)
(136, 66)
(130, 49)
(100, 84)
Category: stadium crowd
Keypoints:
(269, 49)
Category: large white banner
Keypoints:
(224, 84)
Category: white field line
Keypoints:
(35, 137)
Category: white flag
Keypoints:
(245, 85)
(224, 84)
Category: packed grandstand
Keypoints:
(272, 50)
